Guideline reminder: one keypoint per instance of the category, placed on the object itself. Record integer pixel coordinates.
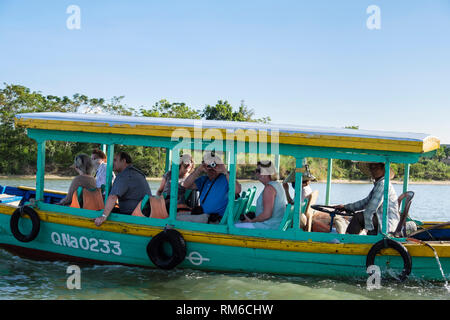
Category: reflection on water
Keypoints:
(26, 279)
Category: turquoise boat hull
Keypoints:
(299, 253)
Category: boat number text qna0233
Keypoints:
(91, 244)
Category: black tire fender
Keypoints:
(14, 224)
(397, 246)
(156, 253)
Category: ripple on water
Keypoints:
(26, 279)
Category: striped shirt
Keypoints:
(373, 203)
(100, 175)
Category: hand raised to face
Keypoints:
(220, 168)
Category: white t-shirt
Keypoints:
(100, 176)
(306, 191)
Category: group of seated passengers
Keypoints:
(369, 210)
(271, 203)
(129, 186)
(211, 179)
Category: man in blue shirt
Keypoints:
(213, 188)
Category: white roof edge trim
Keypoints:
(231, 126)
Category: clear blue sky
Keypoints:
(304, 62)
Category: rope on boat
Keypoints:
(436, 226)
(32, 203)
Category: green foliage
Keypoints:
(18, 152)
(165, 109)
(430, 169)
(224, 111)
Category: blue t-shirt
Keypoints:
(217, 198)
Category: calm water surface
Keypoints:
(26, 279)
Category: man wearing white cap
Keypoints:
(213, 188)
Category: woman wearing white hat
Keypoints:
(271, 203)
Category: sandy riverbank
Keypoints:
(58, 177)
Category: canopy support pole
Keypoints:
(40, 173)
(405, 184)
(298, 191)
(231, 188)
(168, 159)
(384, 226)
(329, 175)
(175, 153)
(109, 169)
(277, 163)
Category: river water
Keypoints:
(27, 279)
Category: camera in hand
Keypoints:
(212, 165)
(250, 215)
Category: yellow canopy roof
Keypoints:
(242, 131)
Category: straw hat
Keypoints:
(307, 176)
(364, 168)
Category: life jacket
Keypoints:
(90, 199)
(157, 207)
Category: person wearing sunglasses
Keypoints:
(271, 203)
(211, 179)
(185, 169)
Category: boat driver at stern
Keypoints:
(371, 216)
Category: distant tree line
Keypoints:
(18, 152)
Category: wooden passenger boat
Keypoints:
(57, 232)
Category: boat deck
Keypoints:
(10, 200)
